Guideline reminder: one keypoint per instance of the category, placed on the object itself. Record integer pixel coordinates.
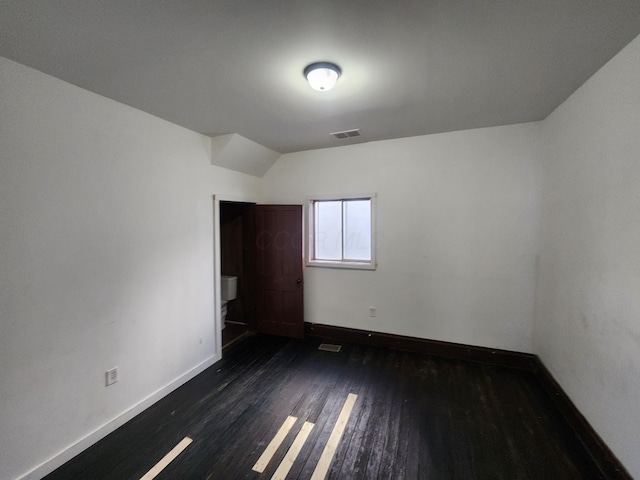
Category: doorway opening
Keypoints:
(237, 270)
(258, 277)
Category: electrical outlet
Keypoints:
(373, 311)
(111, 376)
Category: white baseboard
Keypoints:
(68, 453)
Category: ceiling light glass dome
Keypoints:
(322, 76)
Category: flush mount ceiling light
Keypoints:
(322, 76)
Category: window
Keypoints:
(341, 232)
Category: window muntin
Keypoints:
(342, 232)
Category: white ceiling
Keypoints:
(410, 67)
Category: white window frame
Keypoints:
(310, 234)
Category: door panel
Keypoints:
(279, 285)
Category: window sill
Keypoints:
(343, 265)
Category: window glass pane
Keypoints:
(357, 230)
(328, 234)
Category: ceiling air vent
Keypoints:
(347, 134)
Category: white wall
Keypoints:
(587, 328)
(106, 242)
(457, 223)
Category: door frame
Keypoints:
(217, 261)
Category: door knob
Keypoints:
(299, 281)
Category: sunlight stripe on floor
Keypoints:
(167, 459)
(332, 444)
(292, 454)
(268, 453)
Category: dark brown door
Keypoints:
(279, 285)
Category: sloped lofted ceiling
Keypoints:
(410, 67)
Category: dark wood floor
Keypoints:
(415, 416)
(232, 333)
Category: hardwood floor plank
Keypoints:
(322, 467)
(358, 383)
(292, 453)
(167, 459)
(337, 386)
(279, 437)
(360, 446)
